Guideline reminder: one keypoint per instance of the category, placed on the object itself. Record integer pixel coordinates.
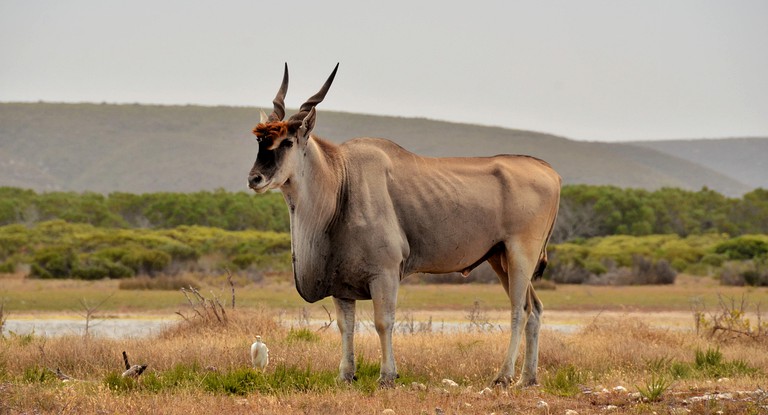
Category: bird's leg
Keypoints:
(345, 319)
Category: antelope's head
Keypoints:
(280, 142)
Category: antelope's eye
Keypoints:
(286, 143)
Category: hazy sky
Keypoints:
(590, 70)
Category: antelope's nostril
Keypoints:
(254, 180)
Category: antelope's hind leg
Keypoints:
(515, 268)
(535, 310)
(345, 319)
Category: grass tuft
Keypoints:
(302, 335)
(654, 388)
(565, 381)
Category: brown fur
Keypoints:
(271, 130)
(275, 132)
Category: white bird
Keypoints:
(259, 354)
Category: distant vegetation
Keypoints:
(57, 249)
(656, 259)
(219, 209)
(605, 235)
(586, 211)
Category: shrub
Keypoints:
(146, 261)
(648, 272)
(243, 261)
(7, 267)
(54, 262)
(754, 273)
(563, 273)
(93, 268)
(743, 247)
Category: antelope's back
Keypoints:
(452, 211)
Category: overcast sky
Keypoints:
(589, 70)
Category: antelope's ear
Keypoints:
(307, 125)
(263, 116)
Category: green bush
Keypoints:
(146, 261)
(54, 262)
(94, 267)
(243, 261)
(744, 247)
(7, 267)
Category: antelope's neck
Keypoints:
(315, 198)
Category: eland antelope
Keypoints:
(367, 213)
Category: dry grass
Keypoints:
(607, 353)
(612, 350)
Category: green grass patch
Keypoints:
(565, 381)
(302, 335)
(654, 388)
(707, 364)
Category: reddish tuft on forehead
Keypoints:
(271, 130)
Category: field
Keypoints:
(628, 350)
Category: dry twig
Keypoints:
(330, 320)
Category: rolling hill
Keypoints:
(744, 159)
(146, 148)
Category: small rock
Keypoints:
(467, 405)
(450, 383)
(486, 392)
(439, 411)
(610, 408)
(388, 411)
(571, 412)
(542, 405)
(721, 380)
(619, 389)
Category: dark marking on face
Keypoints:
(274, 143)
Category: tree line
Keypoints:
(585, 211)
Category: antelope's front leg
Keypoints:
(345, 319)
(384, 296)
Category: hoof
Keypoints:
(502, 381)
(387, 381)
(346, 378)
(527, 383)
